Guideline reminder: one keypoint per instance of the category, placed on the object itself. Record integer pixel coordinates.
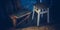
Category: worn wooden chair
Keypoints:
(18, 15)
(40, 9)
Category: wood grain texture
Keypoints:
(38, 28)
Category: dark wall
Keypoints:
(55, 14)
(5, 21)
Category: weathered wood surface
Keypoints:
(38, 28)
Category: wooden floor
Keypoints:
(38, 28)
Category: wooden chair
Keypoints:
(14, 17)
(40, 9)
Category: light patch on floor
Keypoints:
(38, 28)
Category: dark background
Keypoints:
(5, 21)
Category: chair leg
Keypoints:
(14, 22)
(48, 15)
(38, 19)
(33, 15)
